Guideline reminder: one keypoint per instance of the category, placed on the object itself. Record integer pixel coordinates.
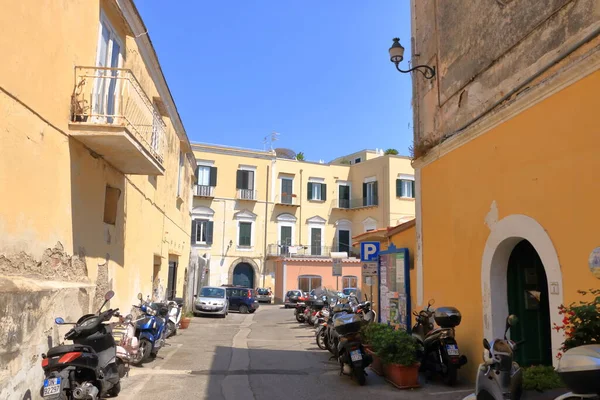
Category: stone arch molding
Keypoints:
(504, 236)
(286, 217)
(247, 260)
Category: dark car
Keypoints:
(241, 299)
(291, 298)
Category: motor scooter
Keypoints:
(440, 353)
(150, 330)
(175, 307)
(86, 369)
(499, 377)
(127, 343)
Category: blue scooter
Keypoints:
(150, 330)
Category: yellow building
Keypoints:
(252, 208)
(507, 172)
(95, 174)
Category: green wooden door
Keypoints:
(528, 300)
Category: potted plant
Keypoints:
(186, 318)
(398, 351)
(371, 335)
(581, 322)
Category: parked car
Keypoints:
(291, 298)
(241, 299)
(211, 301)
(264, 295)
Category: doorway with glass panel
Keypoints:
(105, 99)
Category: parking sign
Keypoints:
(369, 251)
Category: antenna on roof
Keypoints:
(270, 139)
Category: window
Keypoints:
(349, 281)
(344, 196)
(105, 98)
(287, 190)
(306, 283)
(245, 238)
(111, 202)
(344, 240)
(206, 176)
(213, 293)
(370, 193)
(315, 241)
(202, 231)
(317, 191)
(357, 160)
(405, 188)
(245, 184)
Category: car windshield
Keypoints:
(216, 293)
(263, 291)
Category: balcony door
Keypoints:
(315, 241)
(105, 101)
(344, 196)
(286, 239)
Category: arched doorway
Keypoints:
(243, 275)
(527, 291)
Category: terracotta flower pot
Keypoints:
(184, 323)
(376, 365)
(401, 376)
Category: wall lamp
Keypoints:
(397, 55)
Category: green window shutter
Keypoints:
(209, 232)
(323, 191)
(245, 238)
(194, 224)
(197, 173)
(213, 177)
(398, 187)
(414, 194)
(375, 194)
(364, 194)
(239, 178)
(309, 191)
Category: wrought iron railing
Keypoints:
(113, 96)
(205, 191)
(360, 202)
(283, 250)
(247, 194)
(290, 199)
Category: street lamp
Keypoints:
(397, 55)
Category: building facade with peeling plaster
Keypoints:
(506, 167)
(253, 209)
(95, 175)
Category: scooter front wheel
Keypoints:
(359, 375)
(143, 353)
(322, 340)
(171, 329)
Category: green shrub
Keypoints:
(541, 377)
(395, 347)
(371, 332)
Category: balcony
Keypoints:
(353, 204)
(300, 251)
(287, 200)
(204, 191)
(247, 194)
(113, 117)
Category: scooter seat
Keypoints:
(69, 348)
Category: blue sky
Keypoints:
(317, 72)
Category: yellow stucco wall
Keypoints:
(542, 164)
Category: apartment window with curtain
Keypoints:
(306, 283)
(245, 184)
(202, 231)
(370, 193)
(405, 188)
(317, 191)
(206, 180)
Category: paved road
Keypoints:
(267, 355)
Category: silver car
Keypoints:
(211, 301)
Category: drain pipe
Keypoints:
(300, 206)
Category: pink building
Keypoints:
(306, 273)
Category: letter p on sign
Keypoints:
(369, 251)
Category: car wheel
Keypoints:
(243, 309)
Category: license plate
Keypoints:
(51, 387)
(355, 355)
(452, 350)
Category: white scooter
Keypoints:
(174, 316)
(499, 377)
(127, 343)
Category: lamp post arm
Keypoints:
(429, 72)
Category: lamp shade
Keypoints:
(396, 52)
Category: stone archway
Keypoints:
(244, 260)
(505, 235)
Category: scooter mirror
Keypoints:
(140, 296)
(109, 295)
(512, 320)
(486, 344)
(431, 302)
(59, 321)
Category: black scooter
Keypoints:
(439, 354)
(86, 369)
